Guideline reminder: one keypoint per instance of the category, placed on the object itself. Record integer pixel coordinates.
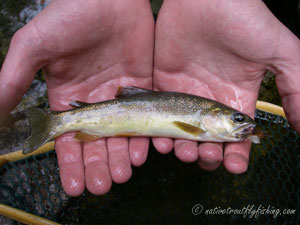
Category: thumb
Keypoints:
(288, 77)
(17, 72)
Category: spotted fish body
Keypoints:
(141, 112)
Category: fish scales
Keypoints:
(139, 114)
(146, 113)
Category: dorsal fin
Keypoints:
(78, 104)
(130, 90)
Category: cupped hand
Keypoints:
(87, 50)
(221, 50)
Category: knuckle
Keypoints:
(24, 39)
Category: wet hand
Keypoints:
(221, 50)
(87, 49)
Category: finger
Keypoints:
(163, 145)
(138, 150)
(69, 155)
(210, 155)
(97, 174)
(288, 76)
(118, 158)
(290, 103)
(236, 156)
(17, 72)
(186, 151)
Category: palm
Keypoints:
(87, 52)
(216, 51)
(108, 59)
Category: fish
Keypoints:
(142, 112)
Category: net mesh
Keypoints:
(164, 190)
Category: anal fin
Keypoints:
(127, 134)
(81, 136)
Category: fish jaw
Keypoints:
(244, 130)
(248, 132)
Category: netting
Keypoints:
(164, 190)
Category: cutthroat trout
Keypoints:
(142, 112)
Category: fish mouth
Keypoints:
(244, 130)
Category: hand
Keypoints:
(221, 50)
(87, 50)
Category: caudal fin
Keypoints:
(40, 122)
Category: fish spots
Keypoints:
(207, 104)
(216, 109)
(227, 112)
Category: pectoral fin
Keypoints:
(188, 128)
(80, 136)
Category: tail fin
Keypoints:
(40, 122)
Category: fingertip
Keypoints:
(69, 156)
(163, 145)
(72, 178)
(119, 161)
(120, 172)
(210, 155)
(235, 163)
(98, 179)
(138, 150)
(186, 151)
(208, 165)
(236, 157)
(97, 175)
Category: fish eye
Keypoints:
(238, 117)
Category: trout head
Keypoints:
(229, 125)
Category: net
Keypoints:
(167, 191)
